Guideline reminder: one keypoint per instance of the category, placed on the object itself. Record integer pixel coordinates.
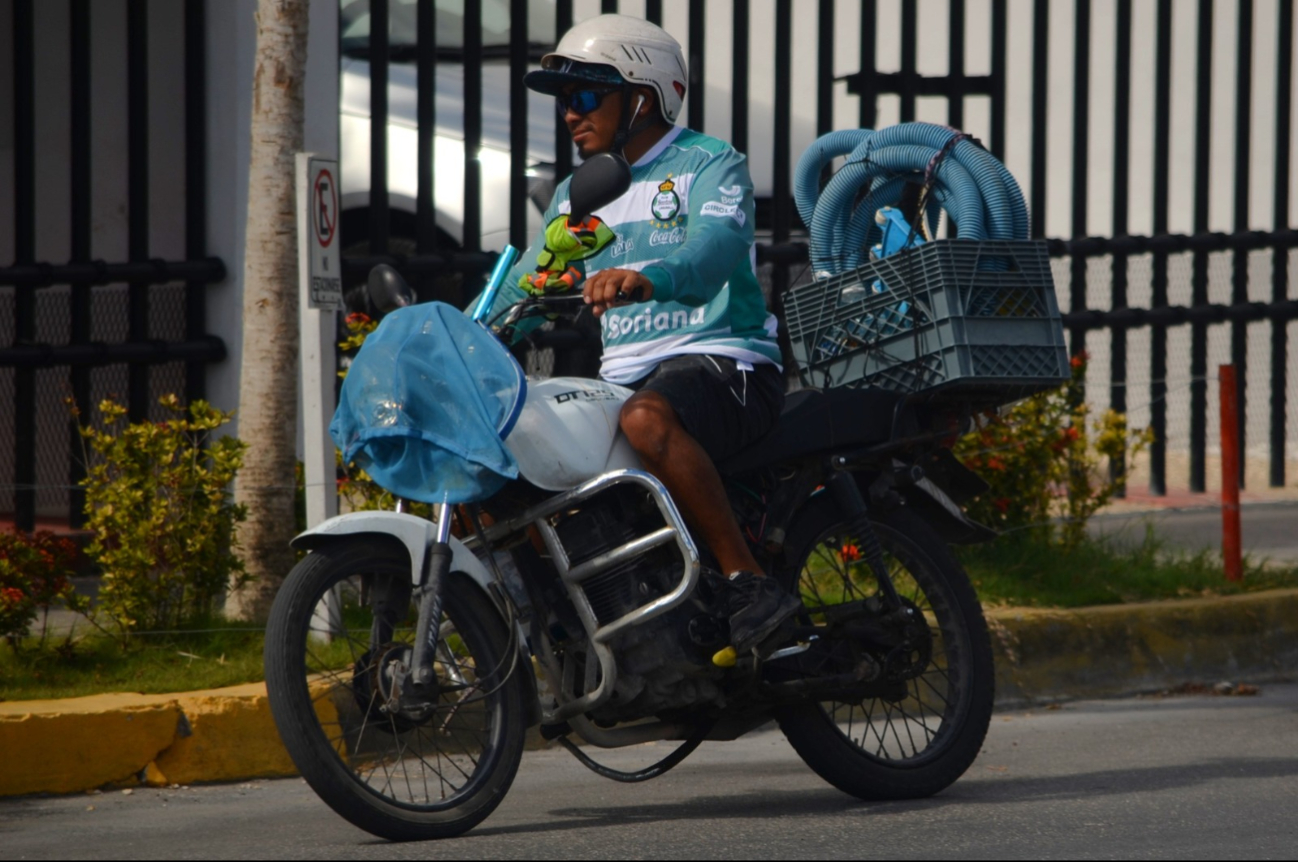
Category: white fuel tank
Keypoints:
(568, 432)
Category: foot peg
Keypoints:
(783, 633)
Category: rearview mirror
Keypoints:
(388, 290)
(599, 181)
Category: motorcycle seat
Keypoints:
(815, 421)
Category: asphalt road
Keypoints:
(1176, 777)
(1268, 530)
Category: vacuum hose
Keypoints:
(956, 174)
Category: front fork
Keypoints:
(389, 603)
(430, 595)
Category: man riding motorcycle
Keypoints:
(683, 319)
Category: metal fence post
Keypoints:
(1230, 463)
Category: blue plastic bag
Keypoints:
(427, 404)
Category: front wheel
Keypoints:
(340, 637)
(924, 732)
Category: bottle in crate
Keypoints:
(833, 342)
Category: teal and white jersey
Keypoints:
(686, 223)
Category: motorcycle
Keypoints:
(407, 659)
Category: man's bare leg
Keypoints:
(679, 462)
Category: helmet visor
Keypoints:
(558, 72)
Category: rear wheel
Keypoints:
(403, 768)
(925, 730)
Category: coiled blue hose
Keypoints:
(806, 177)
(973, 186)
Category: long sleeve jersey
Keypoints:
(686, 223)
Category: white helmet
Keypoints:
(641, 54)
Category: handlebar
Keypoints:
(567, 303)
(576, 298)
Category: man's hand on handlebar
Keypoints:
(613, 287)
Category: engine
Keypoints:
(663, 664)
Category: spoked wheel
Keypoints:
(402, 766)
(924, 722)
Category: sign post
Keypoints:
(320, 268)
(320, 298)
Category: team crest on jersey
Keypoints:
(666, 204)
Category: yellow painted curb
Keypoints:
(231, 737)
(1114, 650)
(81, 743)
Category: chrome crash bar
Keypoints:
(573, 577)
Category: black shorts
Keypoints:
(722, 407)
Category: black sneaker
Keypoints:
(757, 608)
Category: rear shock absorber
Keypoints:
(850, 500)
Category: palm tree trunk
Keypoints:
(268, 375)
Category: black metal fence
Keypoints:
(1096, 294)
(1111, 116)
(85, 328)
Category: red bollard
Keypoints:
(1231, 547)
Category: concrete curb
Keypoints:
(67, 746)
(1116, 650)
(64, 746)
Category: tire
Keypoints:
(895, 747)
(423, 771)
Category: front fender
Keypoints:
(417, 534)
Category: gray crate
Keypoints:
(973, 320)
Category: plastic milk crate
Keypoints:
(968, 320)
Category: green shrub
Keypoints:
(159, 507)
(1046, 459)
(34, 572)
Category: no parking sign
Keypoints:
(321, 294)
(320, 250)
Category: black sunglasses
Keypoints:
(580, 102)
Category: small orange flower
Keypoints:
(850, 553)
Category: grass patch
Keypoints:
(1019, 569)
(150, 664)
(1025, 570)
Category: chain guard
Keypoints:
(862, 652)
